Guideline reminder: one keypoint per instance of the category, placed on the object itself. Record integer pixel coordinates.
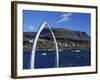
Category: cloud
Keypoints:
(31, 27)
(65, 17)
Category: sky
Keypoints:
(68, 20)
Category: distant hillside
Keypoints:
(60, 33)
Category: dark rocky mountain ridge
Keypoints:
(60, 33)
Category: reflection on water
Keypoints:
(47, 59)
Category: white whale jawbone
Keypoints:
(42, 26)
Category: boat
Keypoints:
(60, 50)
(44, 54)
(76, 51)
(50, 49)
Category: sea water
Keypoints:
(67, 58)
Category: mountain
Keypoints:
(60, 33)
(29, 34)
(71, 34)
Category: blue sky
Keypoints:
(68, 20)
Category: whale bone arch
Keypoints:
(42, 26)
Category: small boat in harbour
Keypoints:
(44, 54)
(60, 50)
(50, 49)
(75, 50)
